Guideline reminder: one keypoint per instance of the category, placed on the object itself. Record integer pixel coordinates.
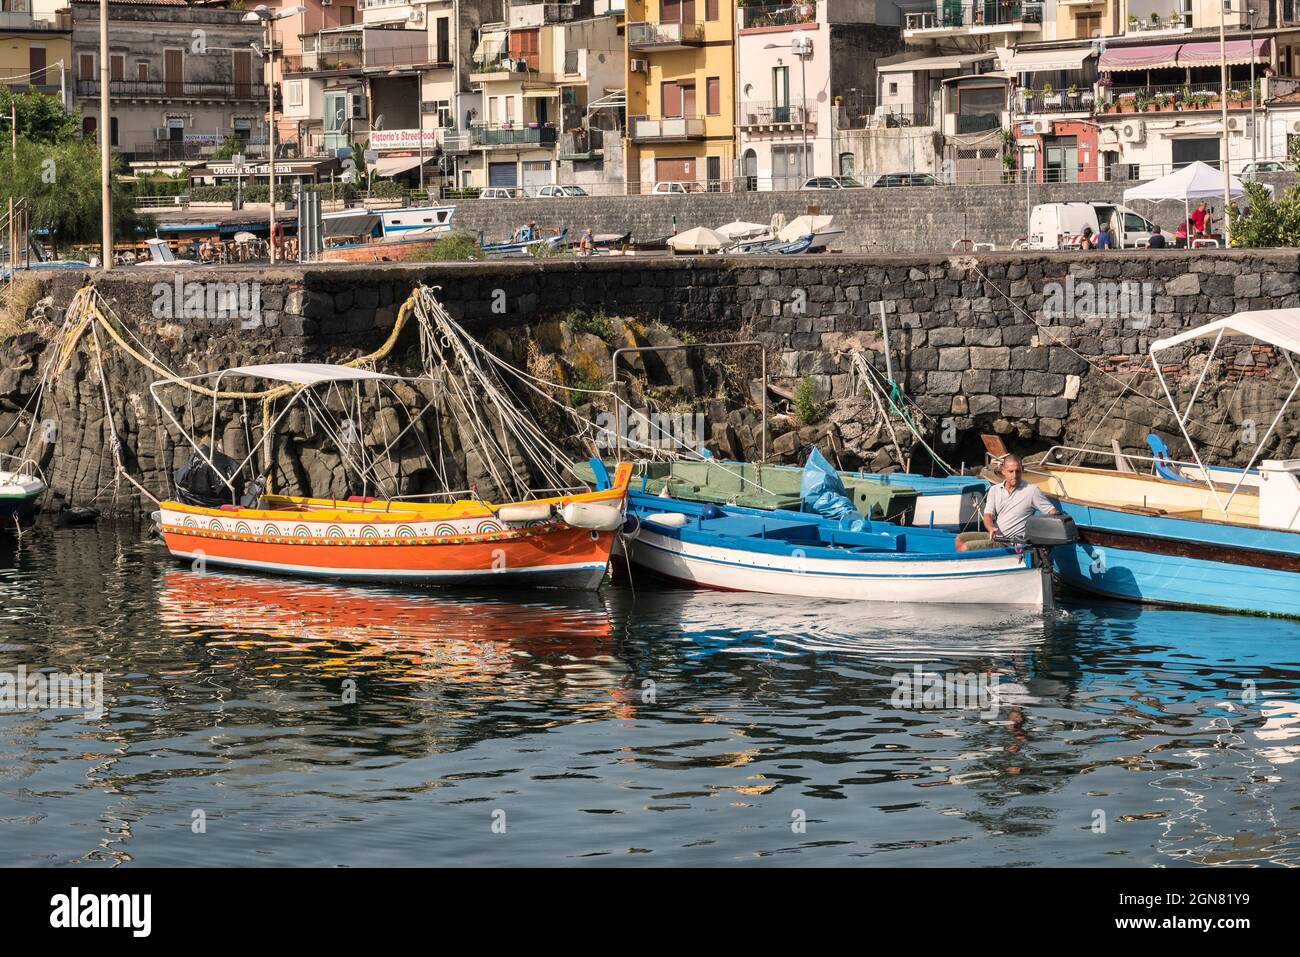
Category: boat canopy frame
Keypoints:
(297, 381)
(1275, 327)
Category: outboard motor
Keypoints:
(1048, 531)
(1045, 532)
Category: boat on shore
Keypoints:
(523, 239)
(1201, 541)
(219, 519)
(383, 235)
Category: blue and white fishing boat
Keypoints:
(522, 241)
(375, 235)
(20, 488)
(835, 555)
(1208, 541)
(772, 246)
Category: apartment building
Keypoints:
(538, 72)
(1149, 99)
(181, 78)
(681, 93)
(394, 78)
(36, 48)
(803, 67)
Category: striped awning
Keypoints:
(1236, 52)
(1139, 58)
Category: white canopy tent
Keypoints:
(1195, 181)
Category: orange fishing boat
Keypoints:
(562, 540)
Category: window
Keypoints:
(293, 93)
(713, 95)
(570, 61)
(780, 94)
(347, 16)
(112, 128)
(492, 110)
(86, 68)
(670, 99)
(525, 45)
(36, 65)
(116, 67)
(893, 88)
(846, 164)
(444, 41)
(142, 71)
(509, 109)
(979, 108)
(710, 10)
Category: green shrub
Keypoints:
(806, 407)
(597, 323)
(458, 247)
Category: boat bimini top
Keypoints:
(1279, 480)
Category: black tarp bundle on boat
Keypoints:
(198, 484)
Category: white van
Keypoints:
(1051, 225)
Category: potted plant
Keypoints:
(1047, 90)
(1132, 20)
(1155, 19)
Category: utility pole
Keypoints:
(1223, 102)
(105, 150)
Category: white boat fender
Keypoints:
(668, 519)
(525, 512)
(601, 518)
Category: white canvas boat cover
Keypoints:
(307, 373)
(1194, 181)
(1277, 327)
(801, 226)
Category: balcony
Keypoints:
(613, 8)
(753, 16)
(757, 117)
(524, 15)
(502, 66)
(174, 90)
(670, 129)
(489, 136)
(664, 36)
(1181, 98)
(1061, 101)
(386, 58)
(974, 16)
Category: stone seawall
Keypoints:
(1040, 349)
(898, 219)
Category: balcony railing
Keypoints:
(489, 135)
(769, 114)
(1061, 101)
(645, 129)
(663, 36)
(869, 118)
(974, 13)
(164, 89)
(776, 14)
(1171, 98)
(419, 55)
(507, 64)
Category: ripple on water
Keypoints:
(313, 723)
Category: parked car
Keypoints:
(832, 182)
(668, 187)
(556, 190)
(907, 179)
(501, 192)
(1264, 166)
(1051, 224)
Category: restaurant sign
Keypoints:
(402, 139)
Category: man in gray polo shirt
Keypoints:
(1009, 505)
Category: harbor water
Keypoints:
(249, 720)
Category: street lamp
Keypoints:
(802, 48)
(267, 17)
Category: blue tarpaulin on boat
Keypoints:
(822, 491)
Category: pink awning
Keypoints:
(1236, 51)
(1139, 58)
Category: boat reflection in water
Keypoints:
(363, 633)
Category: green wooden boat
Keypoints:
(760, 486)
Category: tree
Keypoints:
(230, 146)
(1267, 221)
(40, 117)
(60, 182)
